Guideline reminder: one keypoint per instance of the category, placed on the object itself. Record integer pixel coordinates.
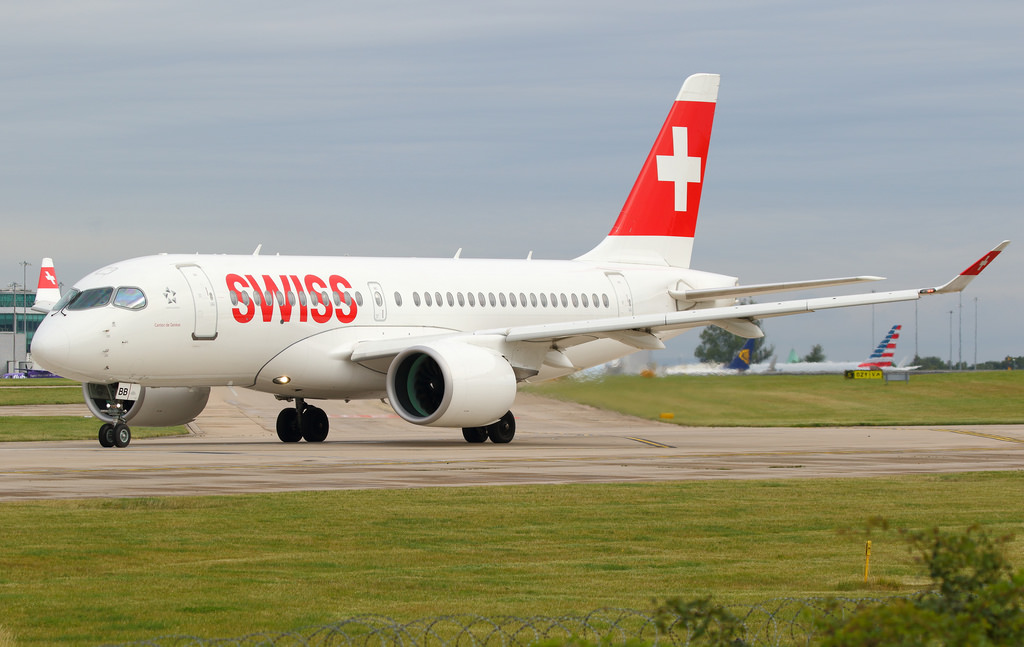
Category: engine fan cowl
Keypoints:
(451, 384)
(156, 406)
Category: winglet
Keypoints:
(48, 290)
(960, 282)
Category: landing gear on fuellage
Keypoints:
(107, 435)
(500, 432)
(122, 435)
(115, 434)
(302, 421)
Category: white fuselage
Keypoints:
(243, 320)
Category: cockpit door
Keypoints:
(205, 302)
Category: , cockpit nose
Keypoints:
(51, 347)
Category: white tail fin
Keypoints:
(48, 290)
(657, 223)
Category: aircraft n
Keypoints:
(741, 361)
(879, 359)
(47, 289)
(445, 341)
(882, 356)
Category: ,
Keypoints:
(444, 341)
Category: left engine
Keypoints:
(156, 406)
(451, 384)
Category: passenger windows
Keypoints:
(506, 300)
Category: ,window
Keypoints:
(92, 298)
(68, 297)
(130, 299)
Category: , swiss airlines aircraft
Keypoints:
(445, 341)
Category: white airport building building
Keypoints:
(18, 322)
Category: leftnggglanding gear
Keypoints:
(117, 433)
(302, 421)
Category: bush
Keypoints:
(976, 599)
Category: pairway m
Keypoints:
(444, 341)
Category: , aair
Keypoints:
(445, 341)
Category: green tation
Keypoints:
(805, 400)
(83, 572)
(108, 570)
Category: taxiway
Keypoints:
(234, 449)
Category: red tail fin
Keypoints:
(657, 222)
(48, 290)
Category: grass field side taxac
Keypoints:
(805, 400)
(995, 397)
(34, 392)
(82, 572)
(32, 428)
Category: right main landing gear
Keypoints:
(302, 421)
(500, 432)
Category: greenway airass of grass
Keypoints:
(805, 400)
(49, 391)
(30, 392)
(85, 572)
(32, 428)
